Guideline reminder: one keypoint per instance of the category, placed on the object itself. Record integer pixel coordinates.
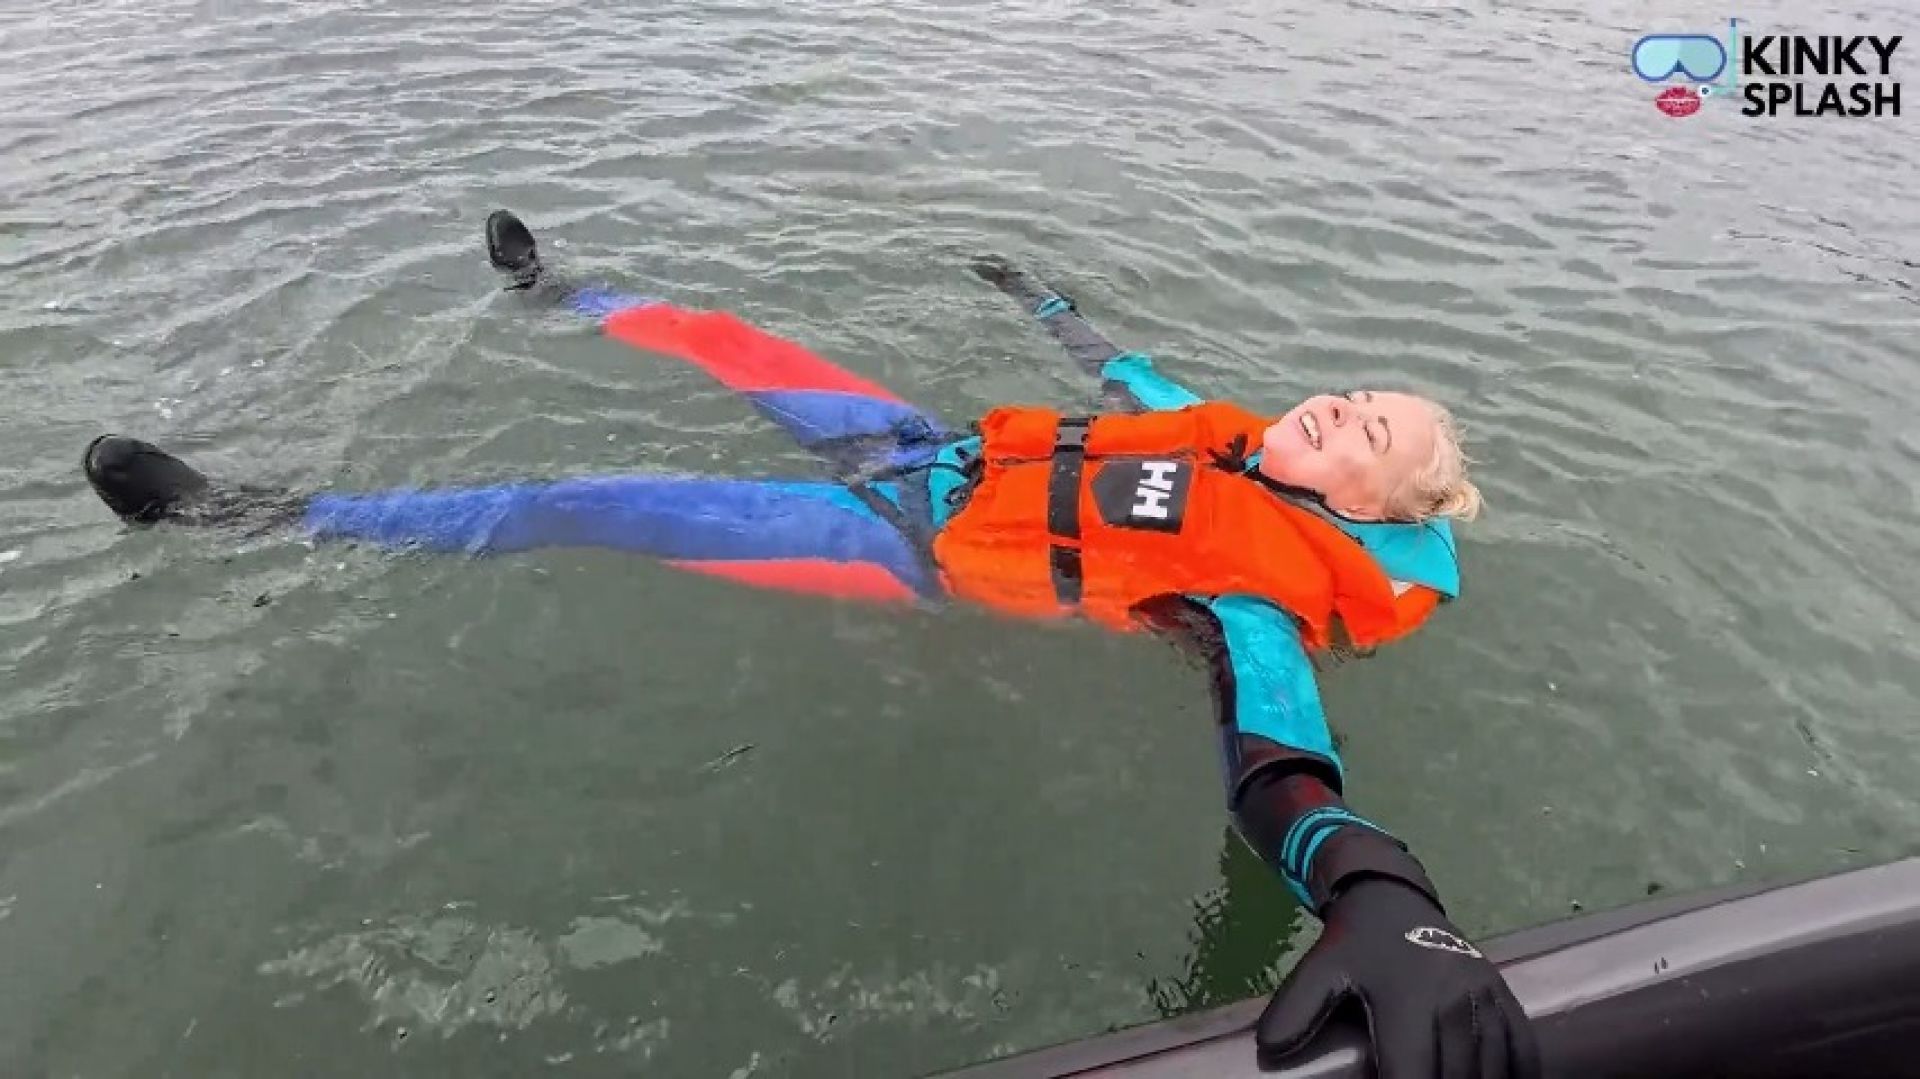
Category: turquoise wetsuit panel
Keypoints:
(1155, 391)
(946, 476)
(1275, 694)
(1423, 553)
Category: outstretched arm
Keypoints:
(1433, 1004)
(1284, 776)
(1128, 380)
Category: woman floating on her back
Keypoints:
(1252, 539)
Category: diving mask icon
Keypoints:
(1658, 57)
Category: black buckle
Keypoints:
(1063, 567)
(1071, 433)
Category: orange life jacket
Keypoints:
(1099, 514)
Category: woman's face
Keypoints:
(1358, 450)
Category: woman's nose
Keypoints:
(1338, 410)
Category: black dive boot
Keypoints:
(511, 249)
(144, 483)
(140, 481)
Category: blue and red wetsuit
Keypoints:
(866, 534)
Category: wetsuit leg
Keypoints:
(855, 423)
(818, 538)
(856, 542)
(848, 419)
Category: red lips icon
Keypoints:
(1678, 101)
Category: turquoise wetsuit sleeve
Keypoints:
(1135, 373)
(1270, 693)
(1282, 770)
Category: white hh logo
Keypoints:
(1156, 486)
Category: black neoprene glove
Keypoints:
(1435, 1007)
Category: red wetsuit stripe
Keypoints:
(740, 355)
(812, 576)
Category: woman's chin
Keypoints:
(1271, 468)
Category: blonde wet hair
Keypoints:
(1440, 488)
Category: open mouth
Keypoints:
(1310, 427)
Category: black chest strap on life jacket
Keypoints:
(1063, 506)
